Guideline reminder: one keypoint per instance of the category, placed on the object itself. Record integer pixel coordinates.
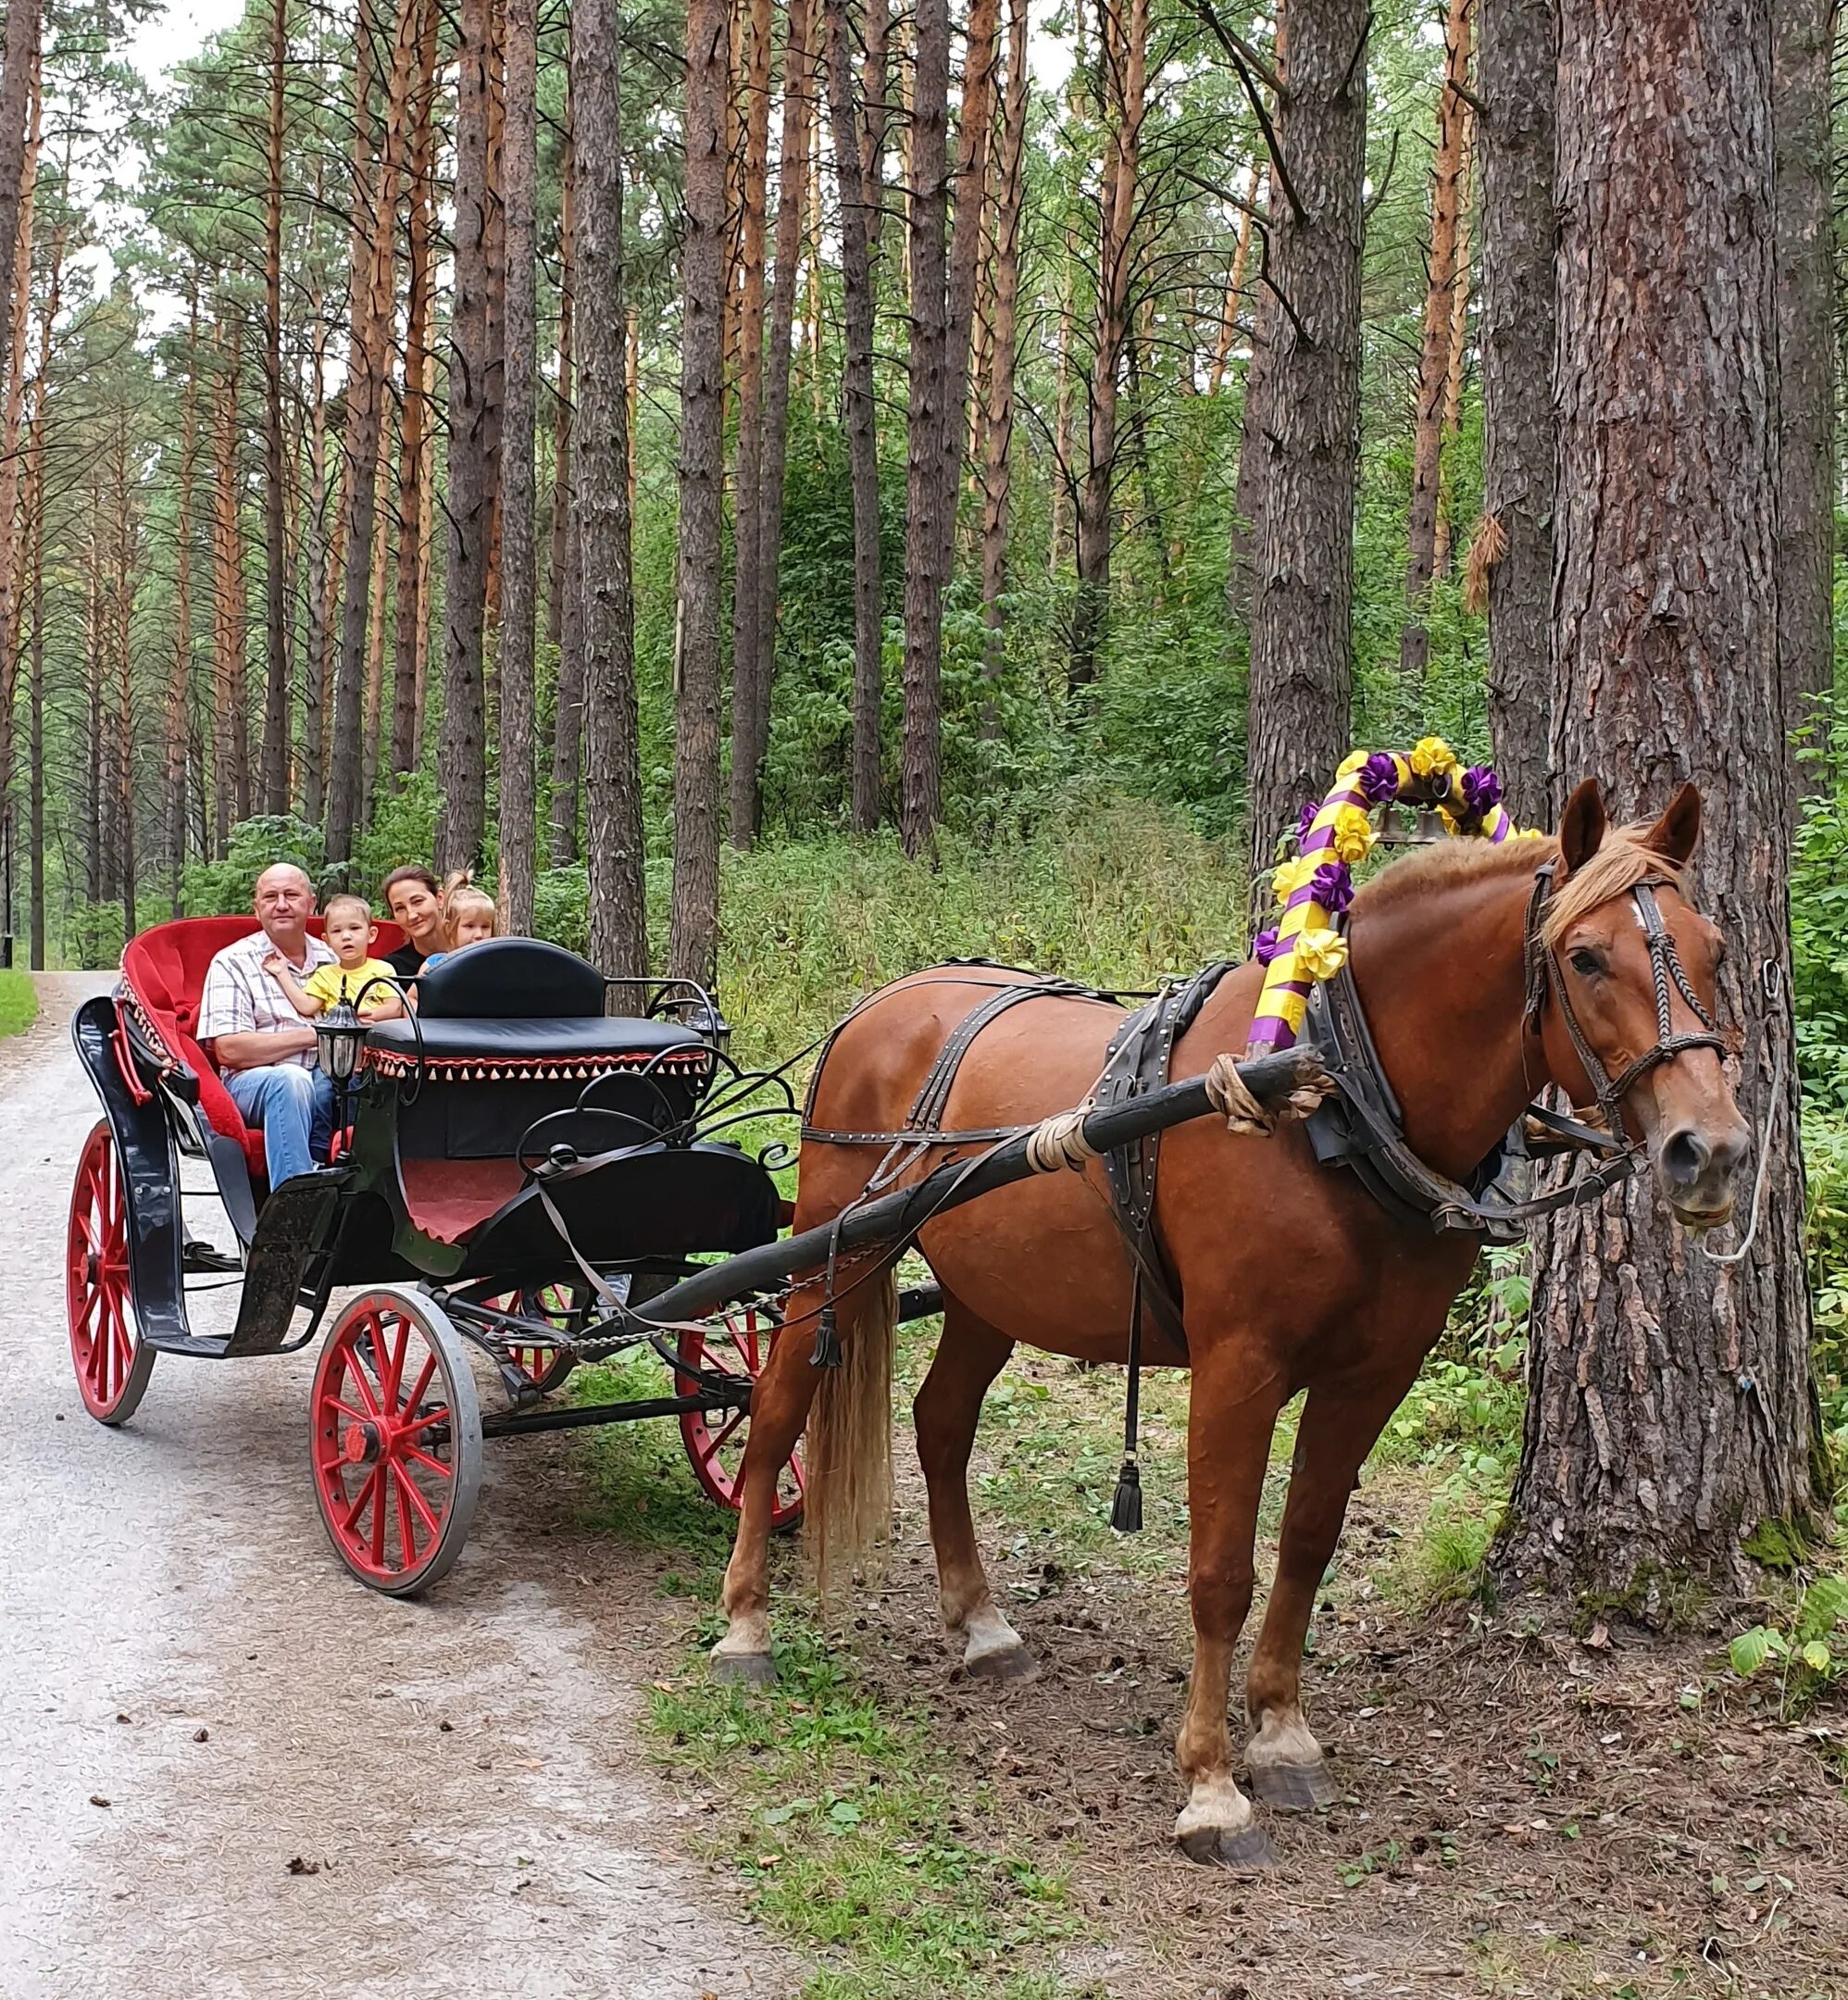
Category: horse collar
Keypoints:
(1543, 974)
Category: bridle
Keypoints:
(1544, 974)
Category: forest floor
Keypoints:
(1530, 1804)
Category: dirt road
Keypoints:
(226, 1769)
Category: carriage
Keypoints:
(515, 1170)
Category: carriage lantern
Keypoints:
(340, 1034)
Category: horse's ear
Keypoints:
(1678, 833)
(1582, 827)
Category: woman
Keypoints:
(414, 897)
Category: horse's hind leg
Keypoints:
(971, 1354)
(779, 1409)
(1340, 1423)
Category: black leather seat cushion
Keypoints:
(511, 979)
(596, 1038)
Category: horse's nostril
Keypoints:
(1726, 1158)
(1685, 1157)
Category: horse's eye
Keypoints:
(1587, 963)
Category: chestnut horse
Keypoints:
(1292, 1277)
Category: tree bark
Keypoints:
(693, 936)
(519, 607)
(461, 771)
(1434, 350)
(859, 198)
(1515, 78)
(11, 596)
(971, 183)
(1459, 349)
(997, 459)
(275, 516)
(1300, 647)
(232, 801)
(181, 682)
(799, 102)
(413, 559)
(35, 517)
(1670, 1399)
(564, 609)
(920, 774)
(316, 681)
(600, 517)
(1802, 49)
(750, 716)
(1235, 284)
(1124, 32)
(19, 67)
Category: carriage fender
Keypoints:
(150, 1176)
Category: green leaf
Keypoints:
(1749, 1651)
(1816, 1656)
(844, 1813)
(1824, 1604)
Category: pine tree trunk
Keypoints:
(600, 521)
(694, 937)
(122, 646)
(1515, 78)
(1235, 284)
(316, 681)
(232, 804)
(11, 547)
(1459, 350)
(921, 772)
(750, 716)
(461, 769)
(413, 562)
(1803, 48)
(749, 743)
(275, 598)
(970, 185)
(1124, 31)
(519, 605)
(19, 70)
(35, 518)
(180, 686)
(564, 622)
(855, 147)
(997, 458)
(1301, 658)
(1434, 350)
(1248, 491)
(1670, 1398)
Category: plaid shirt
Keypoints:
(240, 997)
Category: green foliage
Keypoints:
(226, 888)
(1807, 1649)
(18, 1002)
(93, 934)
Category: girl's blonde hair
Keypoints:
(460, 894)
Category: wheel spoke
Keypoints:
(349, 1521)
(380, 1495)
(428, 1369)
(407, 1548)
(408, 1486)
(347, 1410)
(422, 1458)
(392, 1377)
(713, 1444)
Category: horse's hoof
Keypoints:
(1006, 1663)
(743, 1669)
(1240, 1847)
(1294, 1787)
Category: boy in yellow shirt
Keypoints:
(348, 928)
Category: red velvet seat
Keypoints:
(164, 973)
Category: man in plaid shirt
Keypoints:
(264, 1049)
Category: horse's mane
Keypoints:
(1622, 862)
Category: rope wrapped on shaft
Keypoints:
(1059, 1142)
(1229, 1095)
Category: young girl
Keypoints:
(468, 916)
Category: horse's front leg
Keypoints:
(1236, 1397)
(947, 1408)
(1341, 1420)
(779, 1409)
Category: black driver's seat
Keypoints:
(513, 1029)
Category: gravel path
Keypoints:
(228, 1769)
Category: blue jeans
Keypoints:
(294, 1110)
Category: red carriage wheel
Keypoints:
(112, 1365)
(715, 1438)
(395, 1441)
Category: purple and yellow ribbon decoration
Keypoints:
(1306, 946)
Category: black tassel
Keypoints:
(827, 1340)
(1126, 1508)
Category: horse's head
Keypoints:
(1625, 991)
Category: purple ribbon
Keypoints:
(1305, 821)
(1331, 887)
(1380, 779)
(1265, 946)
(1482, 790)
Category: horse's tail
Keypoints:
(847, 1497)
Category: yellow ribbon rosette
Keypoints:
(1320, 953)
(1291, 876)
(1431, 757)
(1353, 834)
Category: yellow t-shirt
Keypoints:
(333, 983)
